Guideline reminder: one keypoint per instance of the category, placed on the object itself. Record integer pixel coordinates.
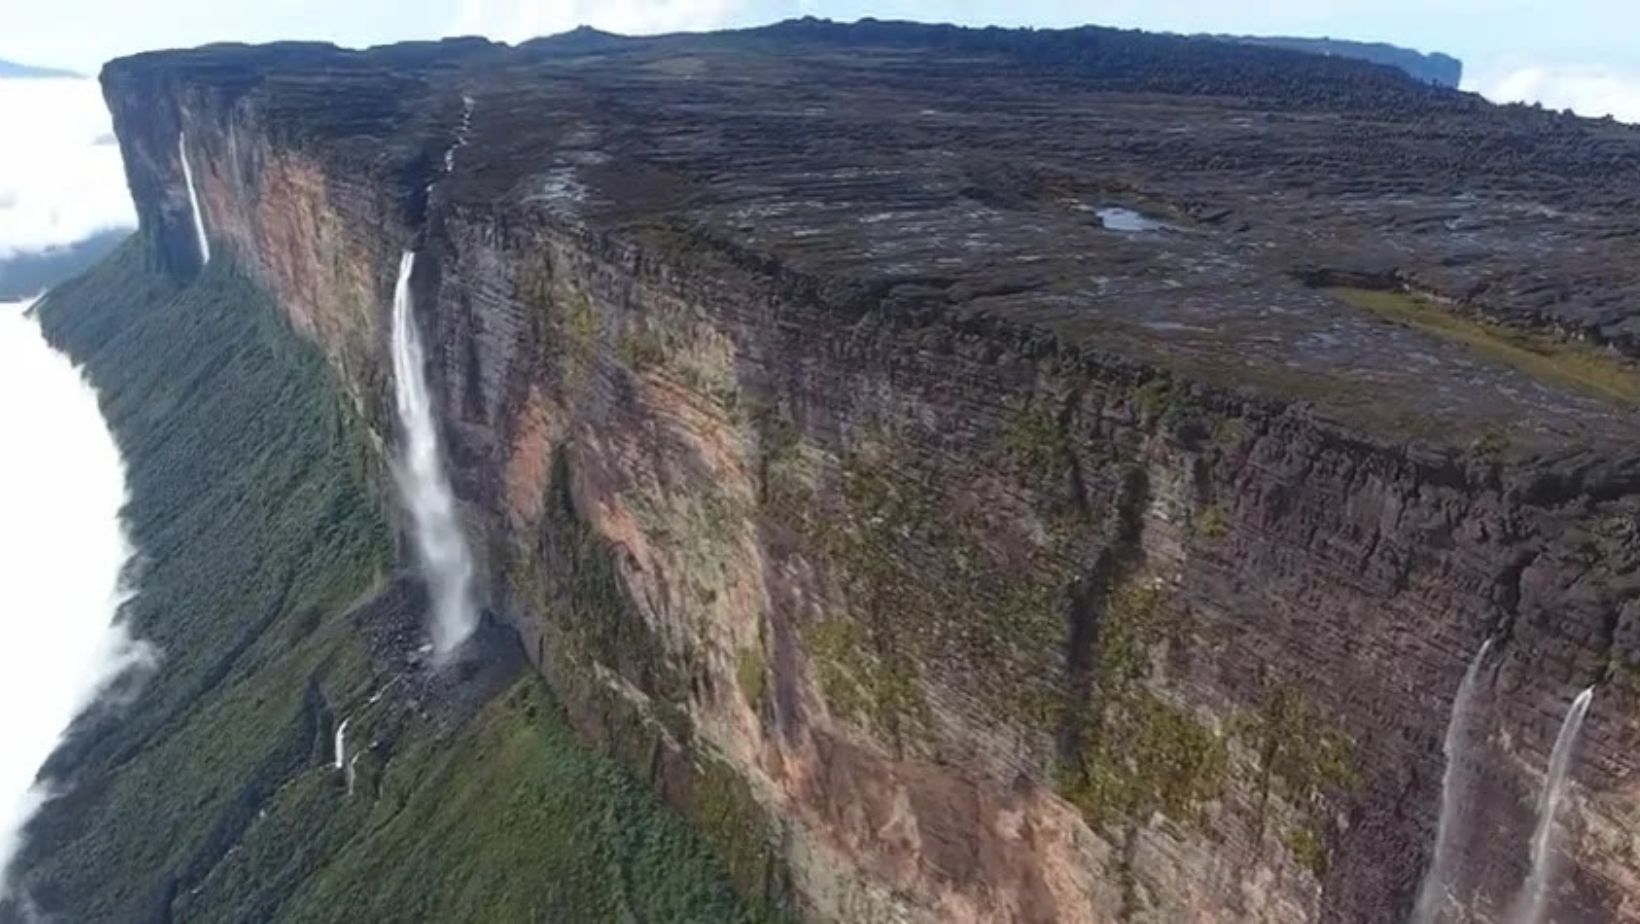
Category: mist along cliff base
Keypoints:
(942, 539)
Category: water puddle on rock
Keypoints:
(1127, 221)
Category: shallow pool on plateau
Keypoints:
(62, 553)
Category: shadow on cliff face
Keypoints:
(1120, 558)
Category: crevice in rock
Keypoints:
(1120, 557)
(1506, 594)
(1128, 876)
(1078, 481)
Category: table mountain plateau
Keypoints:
(971, 475)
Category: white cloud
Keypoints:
(57, 184)
(62, 548)
(517, 20)
(1588, 90)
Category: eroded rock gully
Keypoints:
(944, 555)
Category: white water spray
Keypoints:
(1528, 906)
(341, 743)
(446, 562)
(193, 201)
(352, 773)
(1449, 831)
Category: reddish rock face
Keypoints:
(945, 554)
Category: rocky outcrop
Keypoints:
(945, 554)
(1434, 67)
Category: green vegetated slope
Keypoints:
(212, 796)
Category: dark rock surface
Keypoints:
(1434, 67)
(945, 551)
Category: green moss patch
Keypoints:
(752, 674)
(1211, 522)
(925, 587)
(1303, 758)
(1037, 443)
(1140, 753)
(1562, 363)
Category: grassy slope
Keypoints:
(1574, 365)
(210, 798)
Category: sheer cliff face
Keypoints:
(945, 555)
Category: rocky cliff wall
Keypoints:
(1433, 67)
(926, 615)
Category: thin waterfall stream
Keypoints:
(1449, 832)
(193, 200)
(1529, 905)
(341, 744)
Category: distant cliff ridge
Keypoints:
(1434, 67)
(30, 273)
(11, 69)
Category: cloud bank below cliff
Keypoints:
(60, 174)
(62, 551)
(1588, 90)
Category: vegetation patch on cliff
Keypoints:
(699, 522)
(751, 673)
(572, 325)
(1038, 443)
(930, 595)
(1140, 753)
(788, 466)
(1563, 363)
(1302, 758)
(671, 340)
(568, 576)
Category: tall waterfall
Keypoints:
(193, 201)
(1454, 782)
(1528, 906)
(446, 562)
